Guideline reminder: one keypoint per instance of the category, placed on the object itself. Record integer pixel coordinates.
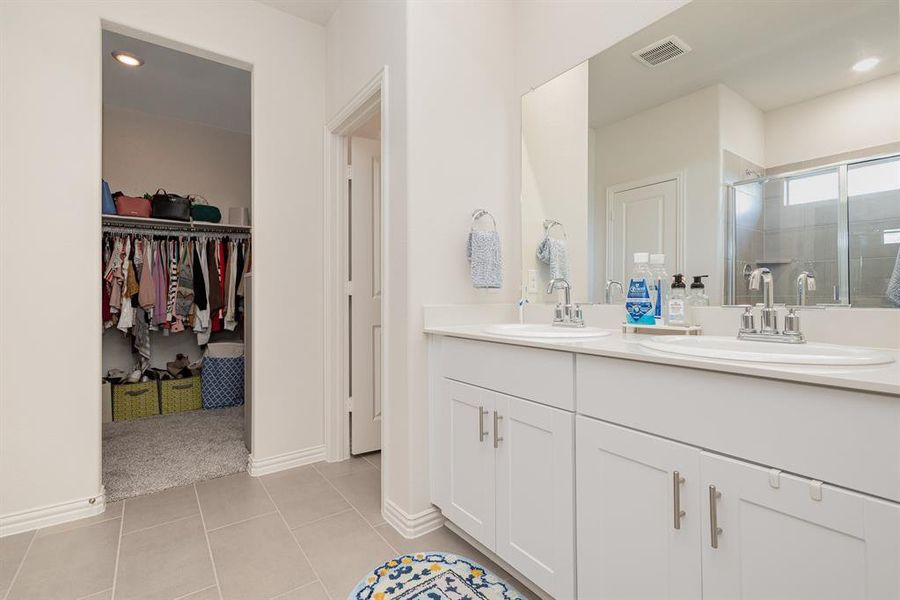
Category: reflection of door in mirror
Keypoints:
(642, 218)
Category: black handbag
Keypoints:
(170, 206)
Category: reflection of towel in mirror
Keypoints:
(555, 253)
(893, 288)
(485, 260)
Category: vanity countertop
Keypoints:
(880, 379)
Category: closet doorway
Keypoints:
(176, 252)
(357, 327)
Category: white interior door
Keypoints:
(631, 543)
(786, 537)
(535, 492)
(470, 494)
(643, 219)
(365, 295)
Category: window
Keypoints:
(817, 187)
(873, 177)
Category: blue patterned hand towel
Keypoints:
(485, 260)
(555, 253)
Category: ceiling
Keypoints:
(176, 84)
(772, 53)
(317, 11)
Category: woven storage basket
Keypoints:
(135, 400)
(179, 395)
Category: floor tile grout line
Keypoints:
(319, 519)
(212, 559)
(347, 500)
(189, 594)
(142, 529)
(94, 594)
(265, 514)
(386, 541)
(75, 525)
(118, 552)
(19, 568)
(298, 588)
(296, 541)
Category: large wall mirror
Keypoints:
(727, 136)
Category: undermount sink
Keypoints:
(727, 348)
(545, 331)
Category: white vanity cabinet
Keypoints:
(784, 536)
(648, 507)
(638, 506)
(503, 469)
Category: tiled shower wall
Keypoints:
(791, 239)
(872, 260)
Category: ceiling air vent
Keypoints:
(662, 51)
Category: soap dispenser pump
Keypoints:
(676, 314)
(697, 295)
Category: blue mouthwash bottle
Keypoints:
(638, 302)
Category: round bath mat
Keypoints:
(432, 576)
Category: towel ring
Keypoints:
(478, 214)
(550, 224)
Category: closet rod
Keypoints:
(150, 230)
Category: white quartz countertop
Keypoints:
(881, 379)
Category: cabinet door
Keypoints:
(471, 486)
(633, 541)
(535, 492)
(785, 537)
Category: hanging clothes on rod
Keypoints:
(169, 280)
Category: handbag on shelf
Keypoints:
(201, 210)
(170, 206)
(129, 206)
(108, 206)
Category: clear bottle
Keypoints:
(638, 301)
(676, 314)
(660, 287)
(696, 297)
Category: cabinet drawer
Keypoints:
(851, 439)
(543, 376)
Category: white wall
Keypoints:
(856, 118)
(681, 136)
(553, 36)
(50, 157)
(142, 152)
(741, 126)
(555, 176)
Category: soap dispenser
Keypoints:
(676, 314)
(697, 296)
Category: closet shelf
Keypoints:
(197, 226)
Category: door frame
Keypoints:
(361, 107)
(611, 191)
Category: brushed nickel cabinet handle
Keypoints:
(677, 481)
(714, 530)
(497, 437)
(481, 432)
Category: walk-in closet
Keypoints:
(177, 261)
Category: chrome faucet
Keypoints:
(768, 331)
(609, 285)
(806, 281)
(768, 314)
(565, 314)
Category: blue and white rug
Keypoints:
(432, 576)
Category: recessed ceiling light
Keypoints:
(866, 64)
(127, 58)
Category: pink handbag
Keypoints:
(129, 206)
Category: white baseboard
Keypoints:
(55, 514)
(264, 466)
(412, 526)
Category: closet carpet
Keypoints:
(153, 454)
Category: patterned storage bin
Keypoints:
(135, 400)
(223, 381)
(179, 395)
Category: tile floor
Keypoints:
(310, 533)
